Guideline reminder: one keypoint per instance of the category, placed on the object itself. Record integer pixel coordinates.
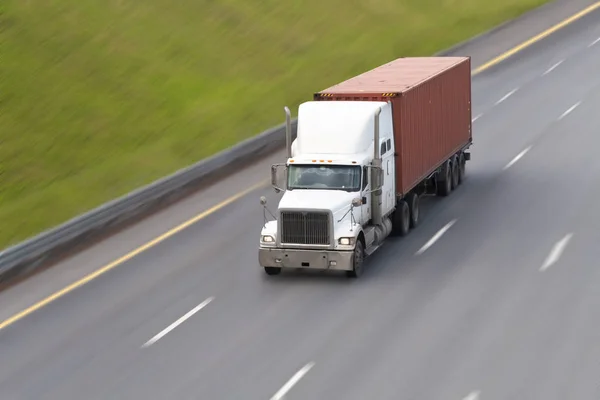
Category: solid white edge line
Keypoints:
(574, 106)
(553, 67)
(293, 380)
(178, 322)
(472, 396)
(476, 117)
(594, 42)
(435, 237)
(517, 158)
(507, 95)
(556, 252)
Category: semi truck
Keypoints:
(365, 152)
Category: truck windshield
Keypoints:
(332, 177)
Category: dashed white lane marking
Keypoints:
(293, 380)
(507, 95)
(556, 252)
(574, 106)
(435, 237)
(178, 322)
(553, 67)
(517, 158)
(472, 396)
(594, 42)
(476, 117)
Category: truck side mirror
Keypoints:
(357, 202)
(274, 177)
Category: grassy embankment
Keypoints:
(99, 97)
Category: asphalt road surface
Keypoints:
(504, 305)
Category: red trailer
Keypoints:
(431, 108)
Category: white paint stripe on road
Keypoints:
(574, 106)
(476, 117)
(517, 158)
(594, 42)
(507, 95)
(435, 237)
(293, 380)
(556, 252)
(178, 322)
(553, 67)
(472, 396)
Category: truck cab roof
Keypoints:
(340, 128)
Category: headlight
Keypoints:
(346, 241)
(267, 239)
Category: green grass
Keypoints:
(98, 97)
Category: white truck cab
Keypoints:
(339, 189)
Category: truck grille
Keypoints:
(302, 227)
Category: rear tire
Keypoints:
(413, 205)
(455, 173)
(272, 270)
(358, 259)
(444, 183)
(462, 164)
(401, 219)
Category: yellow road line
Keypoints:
(237, 196)
(129, 256)
(536, 38)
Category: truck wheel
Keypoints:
(461, 168)
(272, 270)
(401, 222)
(357, 261)
(413, 204)
(455, 172)
(444, 184)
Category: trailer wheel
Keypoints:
(272, 270)
(455, 172)
(462, 162)
(358, 259)
(413, 204)
(444, 183)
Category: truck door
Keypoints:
(388, 188)
(365, 208)
(387, 195)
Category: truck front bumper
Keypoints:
(310, 259)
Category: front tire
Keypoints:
(272, 270)
(358, 259)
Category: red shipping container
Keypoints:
(431, 108)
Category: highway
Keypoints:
(503, 305)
